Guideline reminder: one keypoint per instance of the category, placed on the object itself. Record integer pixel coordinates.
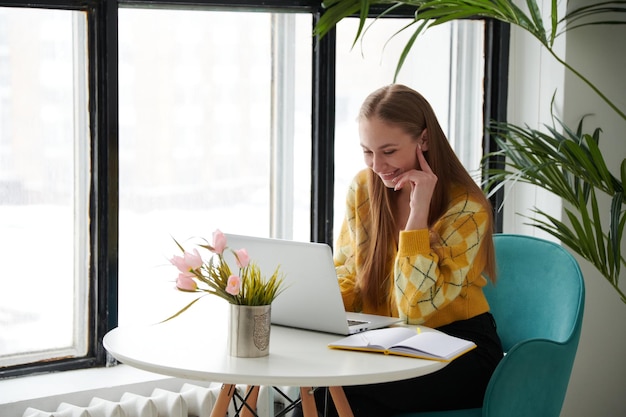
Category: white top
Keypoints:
(195, 348)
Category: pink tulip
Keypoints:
(243, 259)
(219, 242)
(234, 285)
(179, 262)
(193, 260)
(186, 283)
(188, 262)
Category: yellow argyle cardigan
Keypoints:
(434, 283)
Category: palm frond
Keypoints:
(569, 164)
(437, 12)
(589, 14)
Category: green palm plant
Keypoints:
(570, 165)
(564, 161)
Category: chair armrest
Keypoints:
(531, 379)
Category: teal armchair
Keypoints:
(538, 303)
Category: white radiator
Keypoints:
(191, 401)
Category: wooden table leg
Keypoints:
(250, 400)
(341, 402)
(220, 409)
(308, 402)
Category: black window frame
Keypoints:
(102, 27)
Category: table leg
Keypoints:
(308, 402)
(341, 402)
(220, 409)
(252, 394)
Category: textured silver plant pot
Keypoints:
(249, 331)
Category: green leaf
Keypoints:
(181, 311)
(537, 20)
(365, 8)
(554, 13)
(616, 229)
(334, 13)
(407, 49)
(597, 159)
(599, 232)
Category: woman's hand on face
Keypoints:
(422, 182)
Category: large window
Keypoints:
(215, 132)
(122, 127)
(44, 177)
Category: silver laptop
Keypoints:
(311, 298)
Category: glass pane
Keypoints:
(196, 154)
(430, 68)
(43, 159)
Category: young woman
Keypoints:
(416, 243)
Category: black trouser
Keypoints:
(461, 384)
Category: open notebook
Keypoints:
(311, 299)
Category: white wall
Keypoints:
(598, 380)
(599, 377)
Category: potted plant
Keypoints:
(565, 161)
(249, 294)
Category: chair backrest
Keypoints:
(538, 303)
(539, 292)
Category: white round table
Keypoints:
(193, 348)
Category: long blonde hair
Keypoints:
(401, 106)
